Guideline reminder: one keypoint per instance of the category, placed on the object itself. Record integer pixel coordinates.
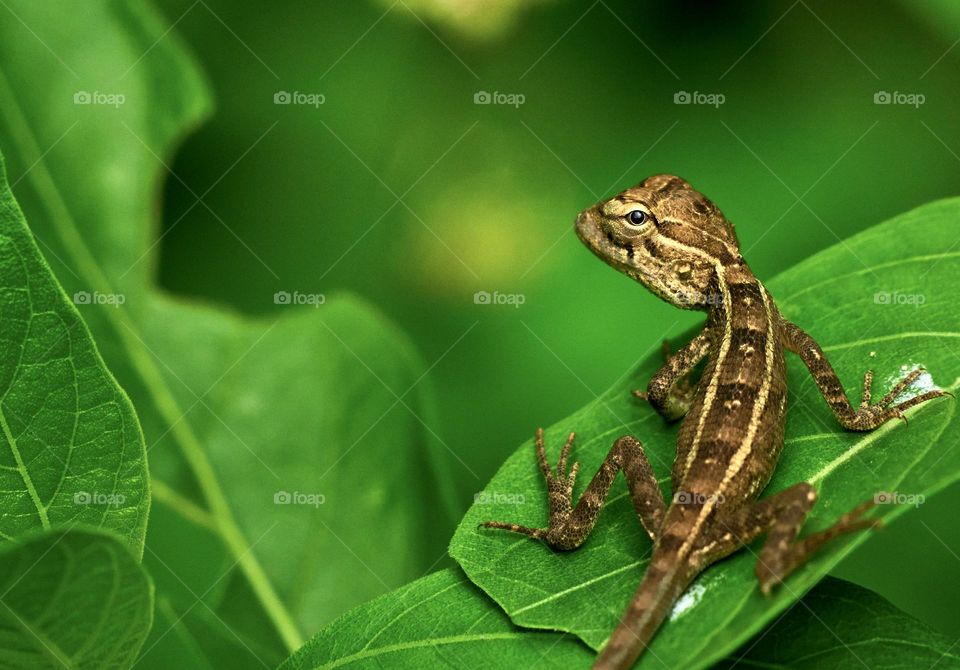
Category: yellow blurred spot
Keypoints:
(485, 240)
(482, 19)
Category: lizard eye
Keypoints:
(637, 217)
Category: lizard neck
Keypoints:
(721, 303)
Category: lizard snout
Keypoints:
(586, 226)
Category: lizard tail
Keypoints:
(665, 580)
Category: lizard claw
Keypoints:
(572, 477)
(535, 533)
(559, 491)
(562, 463)
(541, 454)
(869, 416)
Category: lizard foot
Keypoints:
(868, 416)
(777, 566)
(559, 495)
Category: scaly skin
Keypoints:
(676, 242)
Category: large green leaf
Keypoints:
(843, 626)
(235, 410)
(72, 447)
(72, 599)
(860, 300)
(441, 620)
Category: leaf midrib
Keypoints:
(7, 432)
(22, 469)
(419, 644)
(47, 647)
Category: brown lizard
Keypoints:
(678, 244)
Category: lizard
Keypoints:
(679, 245)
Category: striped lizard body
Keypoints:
(678, 244)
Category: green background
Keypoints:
(313, 197)
(401, 189)
(798, 156)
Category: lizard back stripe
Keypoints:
(746, 444)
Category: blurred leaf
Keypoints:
(943, 16)
(438, 620)
(72, 447)
(72, 599)
(869, 306)
(841, 625)
(321, 402)
(305, 406)
(197, 639)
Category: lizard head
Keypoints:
(665, 235)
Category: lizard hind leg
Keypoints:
(782, 516)
(570, 525)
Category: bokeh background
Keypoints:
(401, 189)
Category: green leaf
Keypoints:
(293, 393)
(844, 626)
(862, 301)
(72, 447)
(234, 409)
(72, 599)
(444, 619)
(439, 620)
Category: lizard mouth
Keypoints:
(591, 233)
(588, 230)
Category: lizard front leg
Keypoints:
(781, 516)
(569, 526)
(669, 391)
(865, 417)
